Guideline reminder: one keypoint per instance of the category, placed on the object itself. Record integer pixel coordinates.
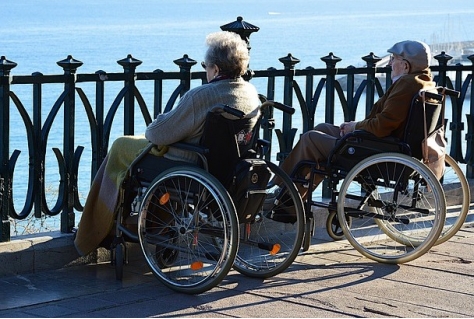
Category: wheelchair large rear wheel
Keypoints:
(188, 229)
(397, 207)
(458, 198)
(269, 244)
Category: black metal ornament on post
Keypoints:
(244, 30)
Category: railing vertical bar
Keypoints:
(99, 153)
(5, 178)
(38, 160)
(158, 95)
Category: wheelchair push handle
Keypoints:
(449, 92)
(224, 108)
(441, 93)
(282, 107)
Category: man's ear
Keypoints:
(407, 66)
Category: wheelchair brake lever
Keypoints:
(451, 92)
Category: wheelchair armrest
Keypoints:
(358, 136)
(191, 147)
(367, 134)
(362, 134)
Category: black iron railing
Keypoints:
(332, 89)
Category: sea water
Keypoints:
(38, 33)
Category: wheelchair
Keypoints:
(389, 205)
(195, 222)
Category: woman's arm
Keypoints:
(175, 125)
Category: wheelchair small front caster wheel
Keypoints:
(308, 233)
(165, 257)
(119, 258)
(333, 227)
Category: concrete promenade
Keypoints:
(330, 280)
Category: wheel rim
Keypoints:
(391, 231)
(182, 213)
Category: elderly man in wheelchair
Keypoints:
(410, 73)
(390, 206)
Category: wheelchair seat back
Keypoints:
(414, 132)
(226, 140)
(231, 159)
(356, 146)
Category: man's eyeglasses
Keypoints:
(204, 66)
(393, 57)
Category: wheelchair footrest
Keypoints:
(361, 213)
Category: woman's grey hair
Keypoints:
(228, 51)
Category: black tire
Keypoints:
(188, 215)
(333, 226)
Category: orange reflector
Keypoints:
(164, 198)
(197, 265)
(275, 249)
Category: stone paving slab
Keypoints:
(330, 280)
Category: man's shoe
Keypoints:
(269, 202)
(283, 214)
(274, 207)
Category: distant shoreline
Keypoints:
(458, 50)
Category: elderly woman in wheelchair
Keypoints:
(226, 60)
(390, 206)
(194, 206)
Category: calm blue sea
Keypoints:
(38, 33)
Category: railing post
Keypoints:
(129, 65)
(5, 177)
(244, 29)
(286, 141)
(470, 128)
(331, 60)
(185, 64)
(70, 66)
(371, 61)
(456, 125)
(442, 59)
